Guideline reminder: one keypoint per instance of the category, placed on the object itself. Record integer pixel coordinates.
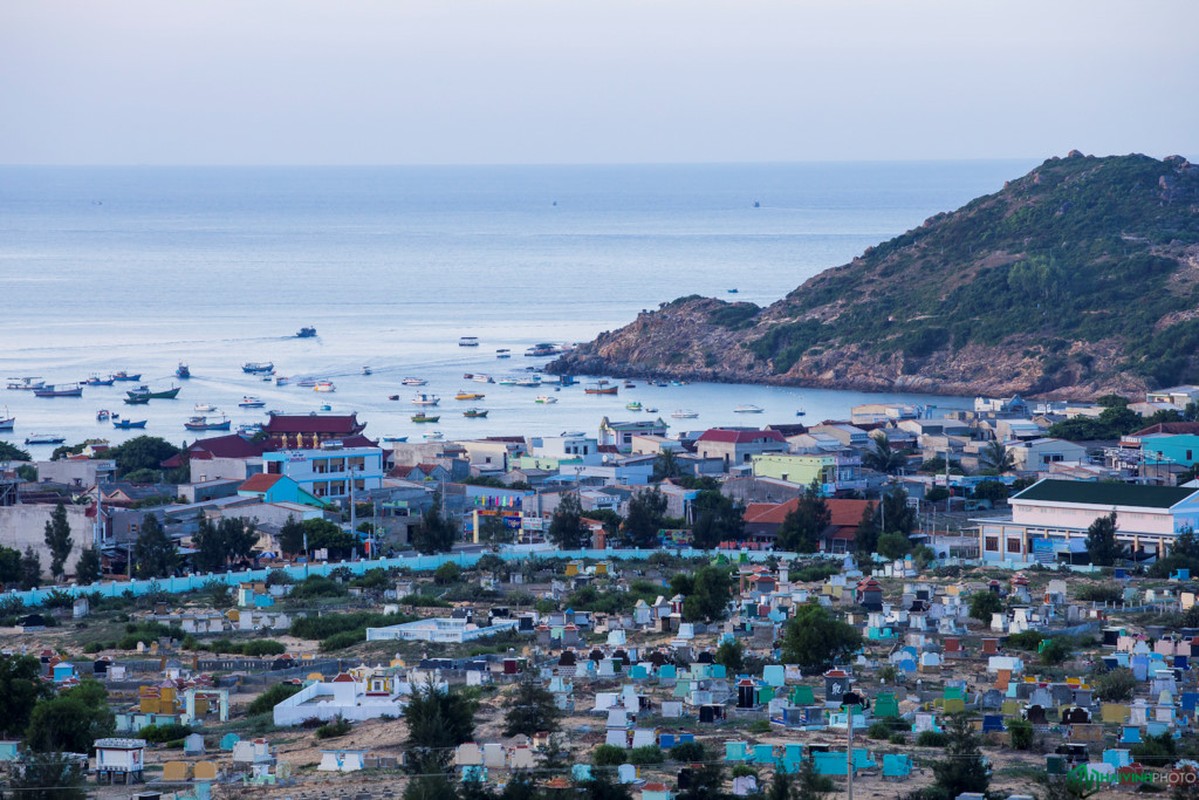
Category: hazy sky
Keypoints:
(582, 81)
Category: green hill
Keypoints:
(1077, 279)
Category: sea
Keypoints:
(141, 268)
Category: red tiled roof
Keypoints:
(739, 437)
(769, 513)
(262, 482)
(846, 512)
(315, 423)
(230, 446)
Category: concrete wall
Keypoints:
(22, 526)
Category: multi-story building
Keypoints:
(833, 472)
(331, 471)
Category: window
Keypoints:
(1013, 545)
(991, 544)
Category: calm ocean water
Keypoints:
(139, 268)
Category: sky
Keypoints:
(592, 81)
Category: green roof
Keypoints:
(1105, 494)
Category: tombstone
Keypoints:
(897, 766)
(581, 773)
(193, 745)
(1036, 715)
(626, 773)
(836, 684)
(468, 754)
(175, 771)
(993, 723)
(205, 771)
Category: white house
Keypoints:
(1038, 454)
(330, 471)
(1052, 516)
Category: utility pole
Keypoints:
(849, 754)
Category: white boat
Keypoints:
(684, 413)
(507, 381)
(414, 382)
(468, 341)
(282, 381)
(324, 386)
(29, 383)
(748, 408)
(633, 405)
(204, 408)
(531, 381)
(252, 402)
(8, 422)
(425, 400)
(546, 399)
(650, 409)
(44, 438)
(503, 352)
(433, 436)
(480, 378)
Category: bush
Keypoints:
(687, 752)
(331, 730)
(1056, 650)
(272, 697)
(897, 738)
(931, 739)
(650, 754)
(317, 586)
(1020, 732)
(608, 755)
(879, 730)
(1100, 593)
(340, 641)
(263, 647)
(158, 734)
(424, 601)
(1026, 640)
(1115, 686)
(447, 573)
(325, 626)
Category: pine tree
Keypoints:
(963, 768)
(153, 553)
(567, 529)
(58, 540)
(435, 533)
(1102, 546)
(531, 710)
(31, 569)
(88, 568)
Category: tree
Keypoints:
(88, 569)
(732, 655)
(895, 514)
(10, 566)
(707, 783)
(809, 784)
(995, 491)
(1020, 734)
(666, 465)
(814, 639)
(153, 553)
(962, 769)
(601, 787)
(141, 452)
(72, 721)
(10, 452)
(217, 544)
(995, 459)
(865, 538)
(567, 529)
(494, 533)
(880, 456)
(530, 710)
(647, 510)
(802, 527)
(430, 787)
(21, 688)
(438, 721)
(1115, 686)
(291, 536)
(708, 598)
(31, 569)
(1102, 546)
(434, 534)
(48, 776)
(716, 519)
(983, 605)
(893, 545)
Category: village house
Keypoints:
(620, 434)
(736, 446)
(1051, 517)
(832, 472)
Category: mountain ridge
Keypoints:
(1077, 279)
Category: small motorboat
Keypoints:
(324, 386)
(249, 429)
(410, 381)
(630, 385)
(433, 436)
(395, 438)
(651, 409)
(600, 388)
(633, 406)
(366, 371)
(96, 380)
(122, 375)
(503, 352)
(307, 383)
(684, 413)
(44, 438)
(465, 395)
(252, 402)
(103, 415)
(204, 408)
(423, 399)
(307, 332)
(546, 399)
(326, 407)
(479, 377)
(7, 423)
(128, 424)
(475, 413)
(28, 384)
(138, 400)
(282, 380)
(468, 341)
(748, 408)
(531, 381)
(59, 390)
(393, 397)
(182, 371)
(150, 394)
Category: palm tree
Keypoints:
(995, 459)
(666, 465)
(881, 457)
